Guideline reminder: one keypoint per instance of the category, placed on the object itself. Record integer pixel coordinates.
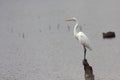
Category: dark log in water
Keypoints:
(109, 34)
(88, 70)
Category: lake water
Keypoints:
(36, 43)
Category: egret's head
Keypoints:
(71, 19)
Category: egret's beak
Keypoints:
(70, 19)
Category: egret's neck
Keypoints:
(75, 28)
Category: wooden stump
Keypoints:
(88, 70)
(109, 34)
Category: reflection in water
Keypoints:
(49, 27)
(68, 27)
(58, 26)
(23, 35)
(40, 30)
(80, 28)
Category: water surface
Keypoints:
(37, 44)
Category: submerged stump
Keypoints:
(109, 34)
(88, 70)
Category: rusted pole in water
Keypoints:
(88, 70)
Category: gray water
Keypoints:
(37, 44)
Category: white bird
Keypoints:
(83, 39)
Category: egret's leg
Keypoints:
(84, 52)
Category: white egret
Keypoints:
(83, 39)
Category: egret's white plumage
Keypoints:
(83, 39)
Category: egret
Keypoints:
(83, 39)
